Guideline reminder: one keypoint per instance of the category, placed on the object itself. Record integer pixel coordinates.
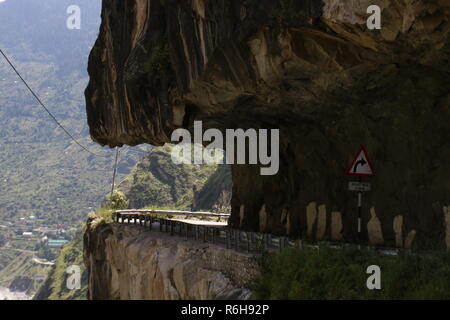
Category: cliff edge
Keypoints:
(130, 262)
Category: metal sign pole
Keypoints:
(359, 213)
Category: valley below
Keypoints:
(7, 294)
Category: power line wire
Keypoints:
(114, 172)
(46, 109)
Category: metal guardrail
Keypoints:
(216, 233)
(220, 233)
(173, 212)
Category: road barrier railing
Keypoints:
(181, 223)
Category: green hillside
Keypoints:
(159, 183)
(55, 287)
(7, 256)
(216, 192)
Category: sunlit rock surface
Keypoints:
(129, 262)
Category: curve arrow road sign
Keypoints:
(361, 166)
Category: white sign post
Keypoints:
(360, 167)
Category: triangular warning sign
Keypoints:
(361, 165)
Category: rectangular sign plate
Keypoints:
(359, 186)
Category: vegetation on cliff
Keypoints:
(328, 273)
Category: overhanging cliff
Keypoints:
(309, 68)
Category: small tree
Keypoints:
(117, 201)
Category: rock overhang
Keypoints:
(308, 68)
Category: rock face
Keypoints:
(313, 70)
(129, 262)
